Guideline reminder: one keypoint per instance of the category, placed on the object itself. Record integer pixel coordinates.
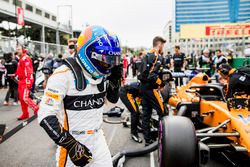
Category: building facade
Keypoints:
(168, 33)
(206, 12)
(41, 27)
(210, 11)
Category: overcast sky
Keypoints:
(136, 22)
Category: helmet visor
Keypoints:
(104, 53)
(106, 61)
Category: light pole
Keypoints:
(70, 18)
(70, 25)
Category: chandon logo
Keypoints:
(114, 53)
(89, 103)
(84, 102)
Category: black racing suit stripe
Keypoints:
(135, 114)
(52, 127)
(65, 151)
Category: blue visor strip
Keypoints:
(89, 67)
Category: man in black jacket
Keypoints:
(11, 66)
(150, 82)
(179, 63)
(238, 79)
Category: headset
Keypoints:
(224, 69)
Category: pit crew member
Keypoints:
(150, 82)
(238, 79)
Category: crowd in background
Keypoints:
(208, 60)
(176, 61)
(47, 64)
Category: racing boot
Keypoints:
(148, 142)
(139, 127)
(23, 116)
(36, 110)
(136, 138)
(5, 103)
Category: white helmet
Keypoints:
(206, 50)
(247, 52)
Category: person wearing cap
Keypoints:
(150, 83)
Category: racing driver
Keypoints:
(25, 81)
(72, 106)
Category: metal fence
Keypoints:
(41, 48)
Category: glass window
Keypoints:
(17, 3)
(46, 15)
(39, 12)
(29, 7)
(54, 18)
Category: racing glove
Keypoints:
(78, 153)
(116, 74)
(114, 83)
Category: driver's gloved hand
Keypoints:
(79, 154)
(116, 74)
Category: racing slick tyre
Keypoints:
(177, 142)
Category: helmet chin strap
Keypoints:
(84, 69)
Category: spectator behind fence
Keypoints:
(125, 67)
(179, 62)
(2, 73)
(47, 68)
(11, 66)
(58, 61)
(133, 65)
(205, 61)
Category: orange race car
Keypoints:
(220, 123)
